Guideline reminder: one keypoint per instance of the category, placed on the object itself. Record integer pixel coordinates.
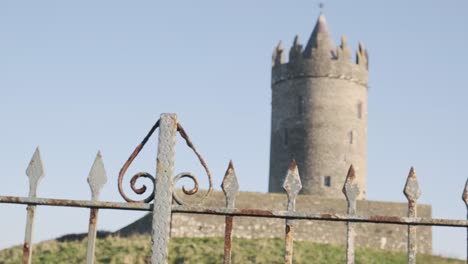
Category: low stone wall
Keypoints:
(381, 236)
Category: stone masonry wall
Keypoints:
(381, 236)
(319, 119)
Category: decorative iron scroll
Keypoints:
(142, 190)
(188, 175)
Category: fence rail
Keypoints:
(163, 201)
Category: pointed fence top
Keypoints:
(230, 186)
(97, 177)
(412, 190)
(292, 184)
(351, 187)
(465, 193)
(35, 172)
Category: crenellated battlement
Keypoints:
(320, 58)
(320, 62)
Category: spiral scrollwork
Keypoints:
(189, 175)
(186, 191)
(134, 179)
(142, 190)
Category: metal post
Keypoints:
(351, 191)
(161, 226)
(27, 246)
(412, 192)
(35, 172)
(96, 180)
(292, 185)
(230, 188)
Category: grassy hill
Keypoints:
(136, 249)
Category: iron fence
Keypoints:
(163, 201)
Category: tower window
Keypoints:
(327, 181)
(351, 137)
(359, 110)
(300, 105)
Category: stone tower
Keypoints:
(319, 114)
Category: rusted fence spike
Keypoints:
(412, 193)
(292, 185)
(465, 199)
(351, 192)
(35, 172)
(97, 179)
(230, 188)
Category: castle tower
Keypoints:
(319, 114)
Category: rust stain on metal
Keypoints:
(10, 199)
(209, 211)
(231, 165)
(186, 191)
(75, 203)
(93, 216)
(351, 192)
(293, 165)
(351, 172)
(329, 216)
(162, 210)
(292, 185)
(228, 239)
(289, 242)
(412, 193)
(165, 167)
(412, 190)
(190, 144)
(92, 235)
(134, 179)
(230, 186)
(256, 212)
(26, 251)
(58, 202)
(421, 221)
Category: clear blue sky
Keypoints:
(78, 76)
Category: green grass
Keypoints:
(136, 250)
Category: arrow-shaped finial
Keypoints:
(412, 191)
(351, 187)
(292, 184)
(230, 186)
(35, 172)
(97, 177)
